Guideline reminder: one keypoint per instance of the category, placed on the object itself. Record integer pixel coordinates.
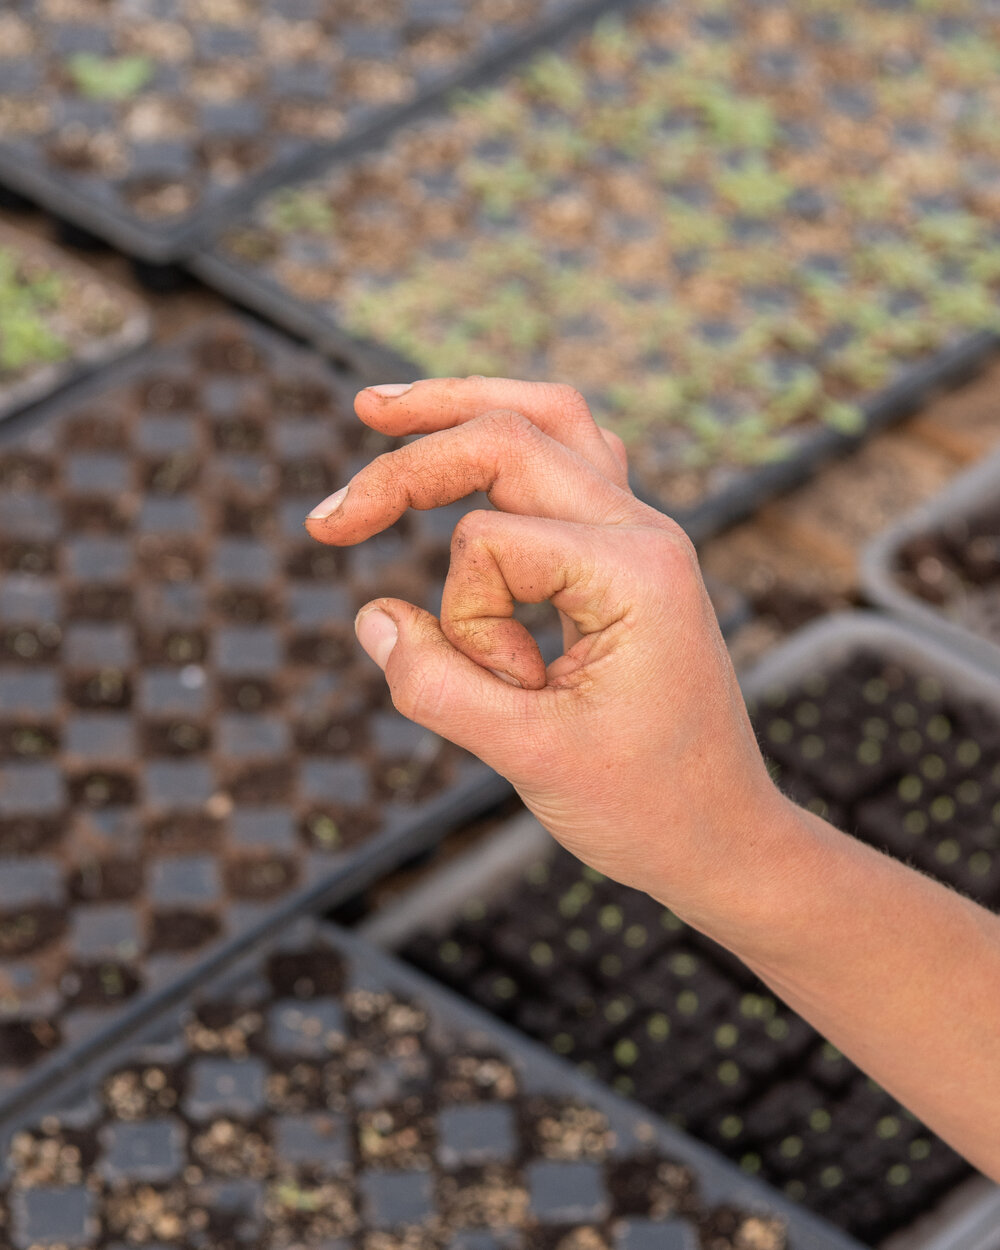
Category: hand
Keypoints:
(634, 747)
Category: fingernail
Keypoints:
(329, 506)
(511, 681)
(391, 390)
(377, 633)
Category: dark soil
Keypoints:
(957, 569)
(313, 1102)
(619, 986)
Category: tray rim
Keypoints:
(965, 494)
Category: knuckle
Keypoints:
(509, 426)
(675, 553)
(614, 441)
(571, 403)
(471, 527)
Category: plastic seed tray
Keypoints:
(939, 567)
(58, 320)
(883, 733)
(321, 1095)
(192, 745)
(145, 128)
(747, 233)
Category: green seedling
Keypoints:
(736, 122)
(756, 189)
(109, 78)
(971, 61)
(843, 417)
(501, 187)
(307, 211)
(26, 338)
(553, 79)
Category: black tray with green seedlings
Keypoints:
(874, 728)
(939, 567)
(192, 745)
(747, 233)
(321, 1094)
(147, 129)
(59, 320)
(620, 987)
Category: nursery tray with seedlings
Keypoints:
(939, 567)
(192, 745)
(879, 731)
(143, 125)
(744, 232)
(58, 320)
(322, 1095)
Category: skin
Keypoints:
(634, 748)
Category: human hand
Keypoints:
(634, 747)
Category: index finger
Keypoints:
(441, 403)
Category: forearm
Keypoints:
(900, 973)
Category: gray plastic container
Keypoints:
(963, 497)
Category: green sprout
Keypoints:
(292, 212)
(738, 122)
(972, 61)
(109, 78)
(755, 189)
(501, 186)
(844, 417)
(26, 338)
(553, 79)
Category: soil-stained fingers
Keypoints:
(497, 560)
(521, 468)
(441, 403)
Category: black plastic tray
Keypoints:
(97, 353)
(96, 205)
(740, 498)
(971, 492)
(748, 490)
(455, 904)
(349, 992)
(734, 493)
(174, 780)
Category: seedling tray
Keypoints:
(321, 1094)
(749, 237)
(607, 978)
(149, 132)
(59, 320)
(939, 567)
(192, 745)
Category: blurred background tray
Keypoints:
(192, 745)
(321, 1090)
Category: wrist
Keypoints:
(753, 897)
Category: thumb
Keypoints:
(437, 686)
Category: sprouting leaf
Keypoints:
(109, 78)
